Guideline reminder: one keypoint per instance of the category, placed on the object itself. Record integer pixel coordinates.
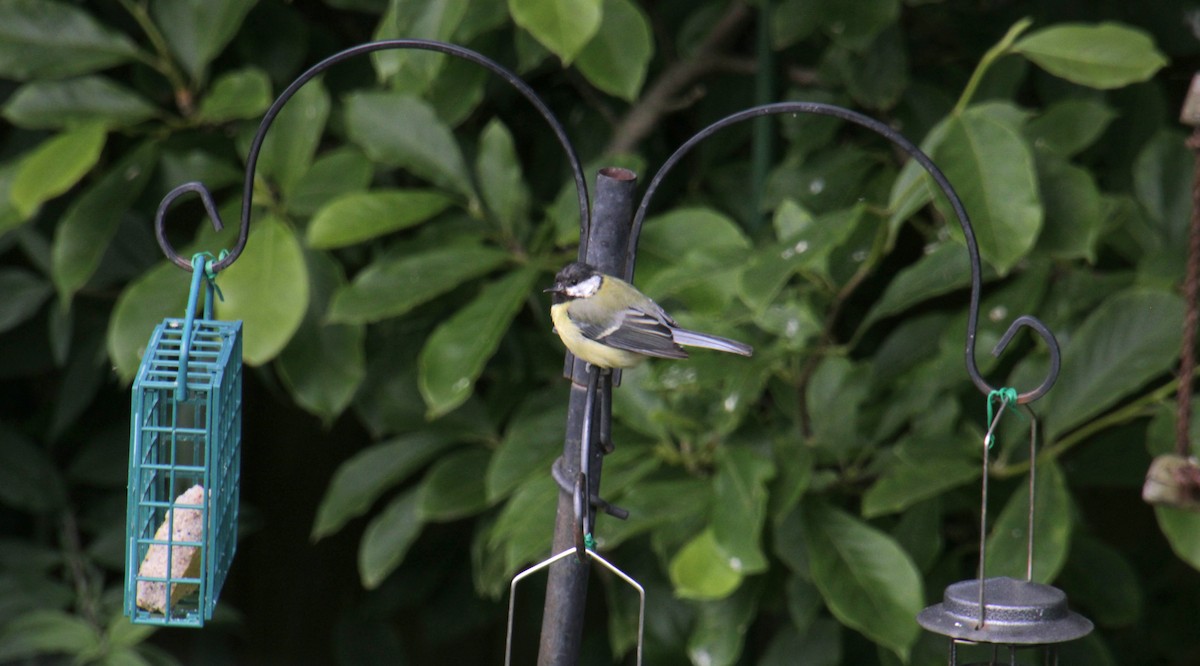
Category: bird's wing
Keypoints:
(637, 331)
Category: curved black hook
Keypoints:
(938, 177)
(160, 231)
(370, 47)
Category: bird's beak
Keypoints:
(556, 289)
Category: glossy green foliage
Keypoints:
(405, 399)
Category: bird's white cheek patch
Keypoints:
(584, 289)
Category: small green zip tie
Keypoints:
(589, 542)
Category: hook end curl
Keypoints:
(1043, 331)
(210, 207)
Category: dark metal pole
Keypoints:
(566, 591)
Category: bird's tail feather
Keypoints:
(696, 339)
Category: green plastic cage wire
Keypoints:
(184, 466)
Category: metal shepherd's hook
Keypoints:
(269, 118)
(1026, 321)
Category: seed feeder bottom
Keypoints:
(1016, 613)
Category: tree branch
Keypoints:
(663, 95)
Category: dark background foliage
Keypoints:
(404, 399)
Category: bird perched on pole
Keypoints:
(608, 323)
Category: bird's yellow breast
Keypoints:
(593, 352)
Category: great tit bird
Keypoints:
(609, 323)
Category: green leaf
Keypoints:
(875, 76)
(453, 486)
(480, 18)
(387, 539)
(654, 505)
(457, 350)
(1104, 55)
(24, 293)
(331, 175)
(916, 473)
(1162, 181)
(700, 570)
(55, 166)
(913, 187)
(521, 532)
(198, 30)
(267, 288)
(415, 69)
(288, 149)
(792, 21)
(820, 646)
(123, 633)
(563, 26)
(392, 287)
(1069, 126)
(157, 294)
(459, 87)
(360, 216)
(827, 182)
(615, 60)
(855, 24)
(400, 130)
(919, 533)
(789, 542)
(868, 582)
(1129, 339)
(29, 479)
(9, 217)
(684, 231)
(942, 270)
(806, 245)
(362, 479)
(324, 364)
(740, 506)
(1182, 530)
(197, 164)
(531, 442)
(986, 158)
(1074, 211)
(1008, 547)
(85, 230)
(245, 93)
(1112, 600)
(836, 391)
(501, 183)
(40, 39)
(43, 632)
(127, 656)
(721, 626)
(58, 104)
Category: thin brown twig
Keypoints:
(77, 567)
(662, 96)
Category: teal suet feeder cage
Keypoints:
(184, 466)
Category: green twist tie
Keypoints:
(1006, 395)
(209, 272)
(589, 542)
